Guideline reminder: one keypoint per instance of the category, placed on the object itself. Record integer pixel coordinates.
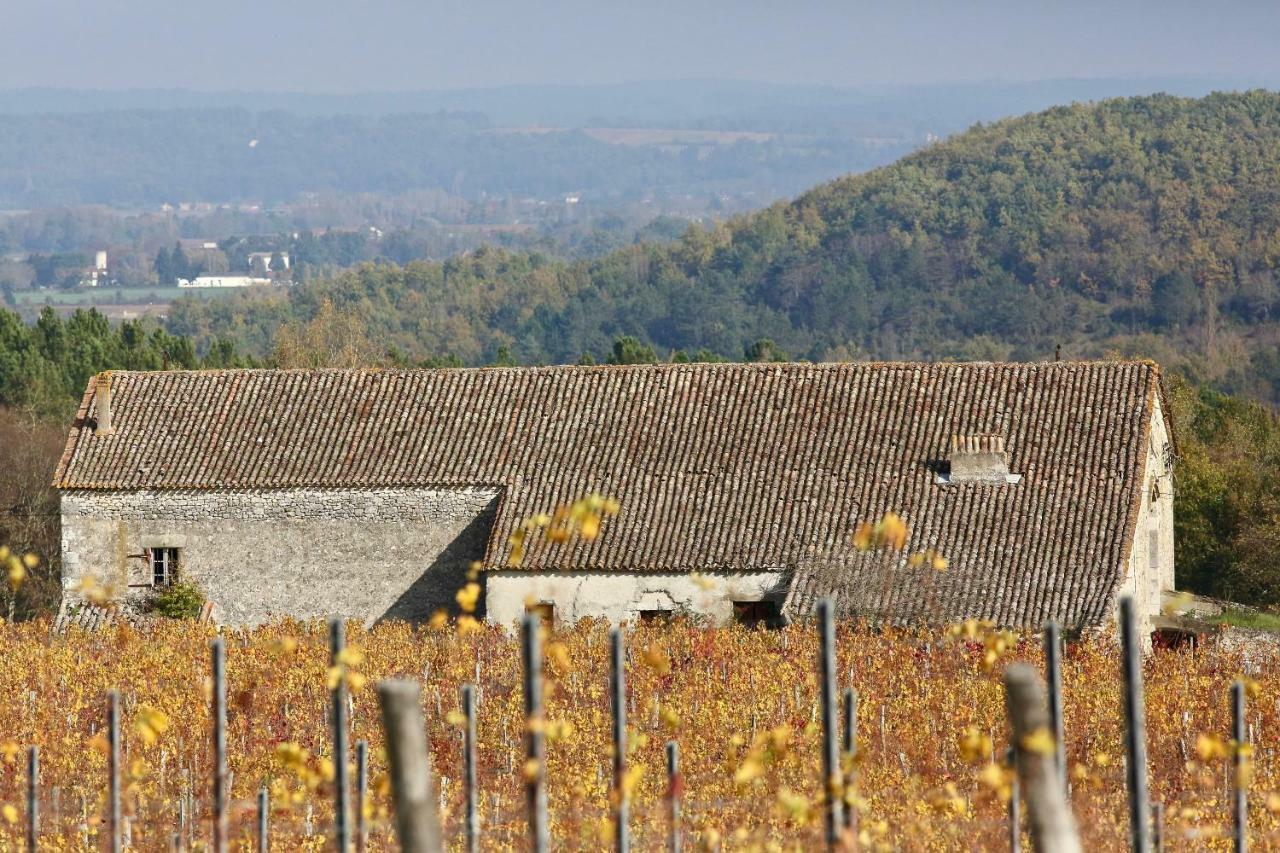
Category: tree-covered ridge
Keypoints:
(1145, 225)
(1102, 201)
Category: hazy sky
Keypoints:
(361, 45)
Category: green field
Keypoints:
(113, 295)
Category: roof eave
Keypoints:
(77, 428)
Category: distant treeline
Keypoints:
(150, 157)
(45, 367)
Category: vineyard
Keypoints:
(742, 705)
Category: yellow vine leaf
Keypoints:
(468, 596)
(1040, 742)
(657, 659)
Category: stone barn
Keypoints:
(368, 493)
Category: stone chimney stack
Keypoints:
(102, 403)
(979, 459)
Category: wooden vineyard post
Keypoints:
(469, 781)
(1051, 823)
(1157, 827)
(831, 782)
(849, 748)
(470, 793)
(1015, 806)
(218, 655)
(341, 793)
(362, 795)
(264, 826)
(1053, 677)
(33, 797)
(535, 783)
(1240, 764)
(674, 785)
(618, 692)
(1135, 729)
(113, 769)
(409, 766)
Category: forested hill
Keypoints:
(1146, 225)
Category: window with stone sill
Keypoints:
(164, 566)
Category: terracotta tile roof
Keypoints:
(77, 613)
(92, 617)
(718, 467)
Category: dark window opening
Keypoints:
(545, 611)
(752, 613)
(1174, 638)
(647, 616)
(164, 566)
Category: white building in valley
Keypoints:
(368, 493)
(223, 281)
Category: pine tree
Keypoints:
(164, 266)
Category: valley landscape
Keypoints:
(827, 452)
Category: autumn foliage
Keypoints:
(741, 703)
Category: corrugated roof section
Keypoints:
(718, 467)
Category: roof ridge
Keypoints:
(655, 367)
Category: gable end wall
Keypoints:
(1150, 569)
(310, 553)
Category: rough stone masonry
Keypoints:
(363, 554)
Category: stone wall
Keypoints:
(364, 554)
(622, 596)
(1151, 560)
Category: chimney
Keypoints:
(979, 459)
(102, 403)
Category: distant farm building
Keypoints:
(223, 281)
(368, 493)
(97, 274)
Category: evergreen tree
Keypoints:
(180, 264)
(1175, 300)
(164, 266)
(765, 350)
(629, 350)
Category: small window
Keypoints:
(647, 616)
(164, 566)
(1153, 548)
(544, 610)
(753, 613)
